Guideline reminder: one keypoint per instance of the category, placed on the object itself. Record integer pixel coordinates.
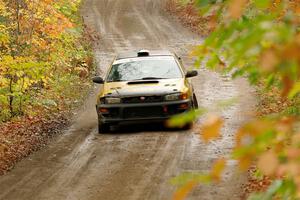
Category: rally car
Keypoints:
(144, 86)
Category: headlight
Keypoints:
(176, 96)
(112, 100)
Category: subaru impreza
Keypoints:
(144, 86)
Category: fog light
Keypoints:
(184, 106)
(112, 100)
(104, 110)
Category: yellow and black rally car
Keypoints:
(144, 87)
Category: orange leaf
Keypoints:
(184, 191)
(213, 22)
(285, 125)
(287, 85)
(293, 153)
(211, 128)
(268, 61)
(268, 163)
(252, 129)
(236, 8)
(244, 163)
(291, 50)
(218, 169)
(290, 169)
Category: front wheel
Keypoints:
(195, 102)
(103, 128)
(188, 126)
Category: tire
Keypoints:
(103, 128)
(188, 126)
(195, 102)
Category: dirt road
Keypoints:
(134, 163)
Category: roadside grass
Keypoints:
(271, 103)
(44, 119)
(189, 16)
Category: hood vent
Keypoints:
(142, 82)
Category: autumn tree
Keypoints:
(39, 43)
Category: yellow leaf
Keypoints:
(218, 169)
(296, 139)
(198, 50)
(184, 191)
(268, 163)
(295, 90)
(297, 181)
(211, 128)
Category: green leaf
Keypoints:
(187, 177)
(262, 3)
(203, 3)
(183, 119)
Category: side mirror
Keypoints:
(190, 74)
(98, 80)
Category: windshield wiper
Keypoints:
(118, 80)
(145, 78)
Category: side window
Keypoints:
(109, 69)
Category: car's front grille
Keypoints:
(142, 99)
(140, 112)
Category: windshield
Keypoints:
(146, 68)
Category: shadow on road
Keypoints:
(145, 127)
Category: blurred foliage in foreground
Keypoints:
(42, 54)
(259, 39)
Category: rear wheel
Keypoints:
(103, 128)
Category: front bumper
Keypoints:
(141, 112)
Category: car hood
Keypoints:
(144, 88)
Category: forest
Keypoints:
(40, 50)
(45, 62)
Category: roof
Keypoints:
(151, 53)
